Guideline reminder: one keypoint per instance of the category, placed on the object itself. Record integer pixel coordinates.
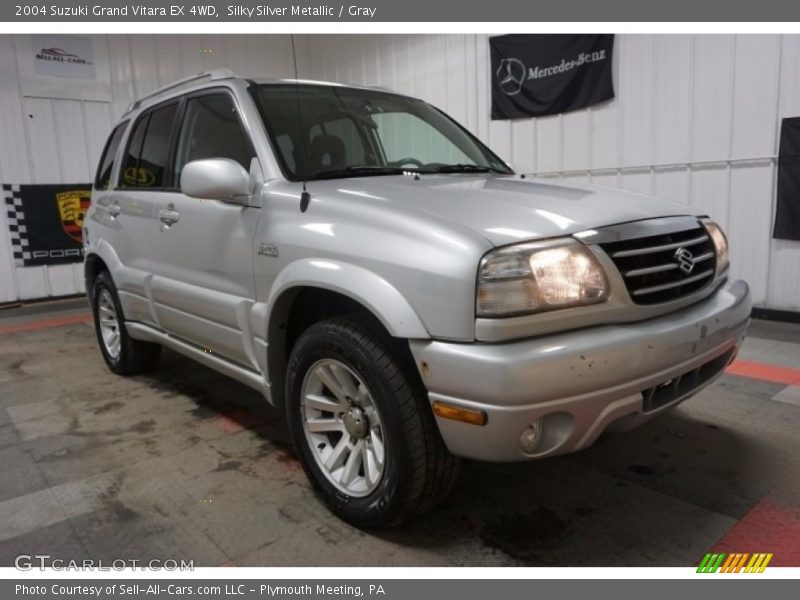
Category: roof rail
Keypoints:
(211, 75)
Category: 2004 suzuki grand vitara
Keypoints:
(379, 273)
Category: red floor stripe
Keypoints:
(768, 527)
(46, 324)
(238, 420)
(766, 371)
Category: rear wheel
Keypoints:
(362, 427)
(123, 354)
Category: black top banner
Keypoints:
(787, 214)
(475, 11)
(45, 222)
(538, 75)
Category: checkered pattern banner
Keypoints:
(16, 224)
(45, 222)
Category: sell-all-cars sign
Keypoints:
(535, 75)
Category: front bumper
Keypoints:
(580, 382)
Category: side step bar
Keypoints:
(250, 378)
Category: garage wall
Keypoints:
(57, 140)
(696, 119)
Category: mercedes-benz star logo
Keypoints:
(684, 259)
(510, 76)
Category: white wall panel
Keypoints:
(672, 183)
(690, 104)
(59, 140)
(14, 162)
(523, 149)
(635, 90)
(784, 284)
(755, 95)
(750, 225)
(607, 179)
(42, 140)
(712, 100)
(97, 124)
(71, 144)
(605, 123)
(549, 143)
(709, 195)
(685, 106)
(672, 101)
(577, 131)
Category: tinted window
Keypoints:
(406, 135)
(128, 174)
(211, 129)
(147, 160)
(155, 149)
(321, 131)
(353, 149)
(103, 177)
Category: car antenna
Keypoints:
(305, 196)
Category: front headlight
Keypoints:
(539, 276)
(720, 245)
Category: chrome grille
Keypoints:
(664, 267)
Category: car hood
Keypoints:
(504, 209)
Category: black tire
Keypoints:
(419, 470)
(134, 356)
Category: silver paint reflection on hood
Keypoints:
(503, 209)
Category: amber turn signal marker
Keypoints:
(465, 415)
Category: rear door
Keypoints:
(203, 284)
(143, 185)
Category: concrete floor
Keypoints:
(185, 463)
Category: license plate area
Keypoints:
(667, 392)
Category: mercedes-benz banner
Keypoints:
(541, 74)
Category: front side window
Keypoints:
(212, 129)
(322, 131)
(147, 159)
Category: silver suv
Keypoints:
(382, 276)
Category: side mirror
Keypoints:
(216, 179)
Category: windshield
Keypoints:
(346, 132)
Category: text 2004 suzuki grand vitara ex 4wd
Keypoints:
(382, 276)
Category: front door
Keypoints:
(203, 281)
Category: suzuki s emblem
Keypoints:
(684, 259)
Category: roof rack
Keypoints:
(211, 75)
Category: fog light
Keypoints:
(531, 436)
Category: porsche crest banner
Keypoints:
(45, 222)
(534, 75)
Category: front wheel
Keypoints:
(362, 427)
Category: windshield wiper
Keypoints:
(460, 168)
(357, 171)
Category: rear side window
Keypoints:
(102, 180)
(147, 159)
(212, 129)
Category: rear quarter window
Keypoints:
(102, 179)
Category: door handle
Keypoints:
(168, 216)
(113, 210)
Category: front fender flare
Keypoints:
(382, 299)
